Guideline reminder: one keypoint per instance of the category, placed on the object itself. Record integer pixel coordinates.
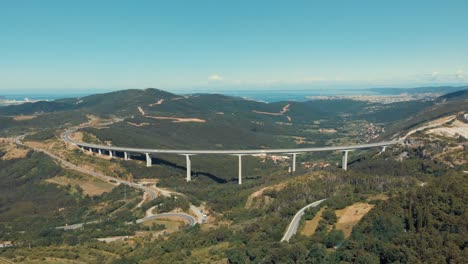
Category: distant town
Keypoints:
(382, 99)
(4, 101)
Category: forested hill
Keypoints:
(157, 102)
(219, 121)
(98, 103)
(458, 95)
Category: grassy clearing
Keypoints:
(90, 186)
(311, 225)
(11, 151)
(24, 117)
(350, 216)
(170, 225)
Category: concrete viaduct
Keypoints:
(111, 151)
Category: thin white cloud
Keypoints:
(458, 77)
(215, 77)
(439, 77)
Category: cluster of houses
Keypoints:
(5, 244)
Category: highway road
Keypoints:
(292, 228)
(190, 219)
(66, 138)
(76, 226)
(152, 194)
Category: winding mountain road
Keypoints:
(292, 228)
(190, 219)
(152, 194)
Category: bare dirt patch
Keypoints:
(267, 113)
(137, 125)
(258, 199)
(284, 110)
(432, 124)
(179, 98)
(24, 117)
(147, 180)
(78, 136)
(350, 216)
(312, 224)
(451, 130)
(13, 152)
(327, 130)
(41, 145)
(142, 112)
(157, 102)
(179, 119)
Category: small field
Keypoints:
(258, 199)
(90, 186)
(311, 225)
(171, 225)
(12, 151)
(24, 117)
(350, 216)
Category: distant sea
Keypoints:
(44, 97)
(264, 95)
(259, 95)
(291, 95)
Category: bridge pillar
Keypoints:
(189, 167)
(383, 148)
(90, 150)
(344, 161)
(240, 169)
(148, 160)
(126, 156)
(294, 162)
(111, 154)
(99, 151)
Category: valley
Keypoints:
(110, 205)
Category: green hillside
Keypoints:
(414, 191)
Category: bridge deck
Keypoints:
(66, 137)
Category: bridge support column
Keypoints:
(240, 169)
(294, 162)
(148, 160)
(99, 151)
(90, 150)
(344, 161)
(189, 167)
(111, 154)
(383, 148)
(126, 156)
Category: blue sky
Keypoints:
(191, 45)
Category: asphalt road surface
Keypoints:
(292, 228)
(152, 194)
(66, 138)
